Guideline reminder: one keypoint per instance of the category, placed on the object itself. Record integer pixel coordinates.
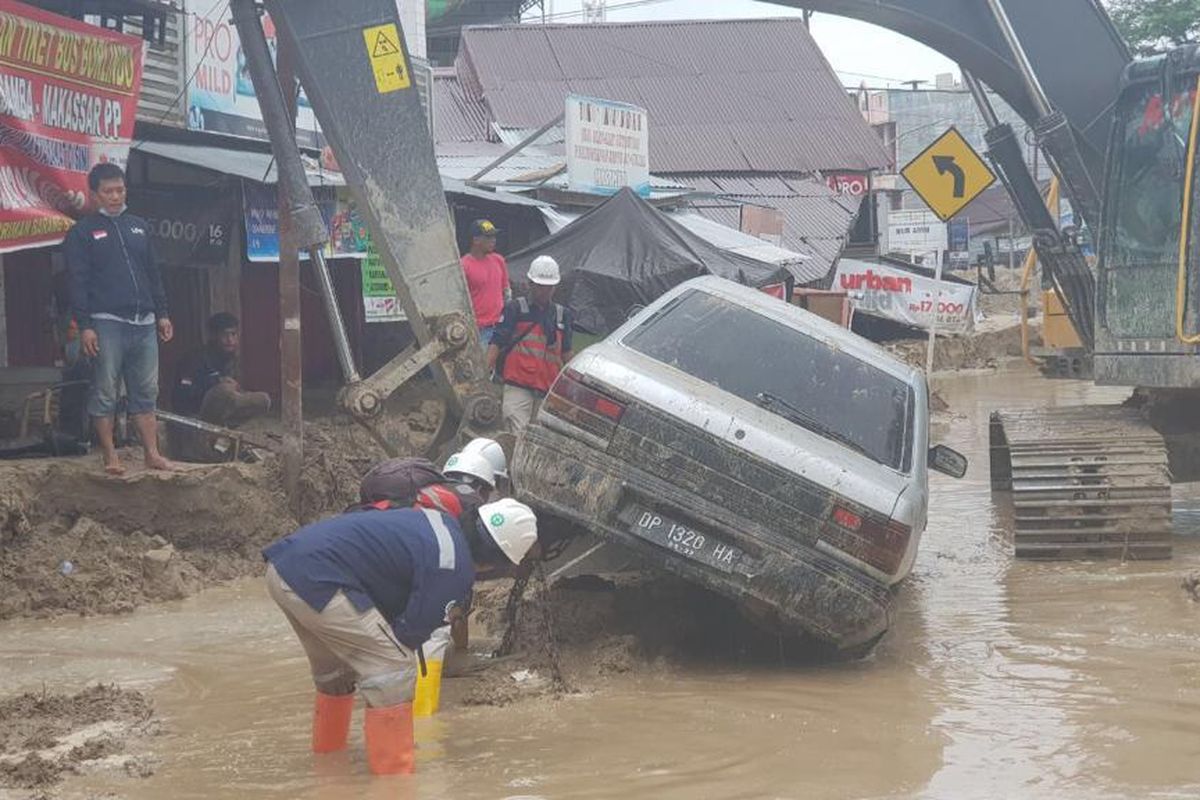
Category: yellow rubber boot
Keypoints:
(429, 680)
(389, 735)
(429, 690)
(331, 722)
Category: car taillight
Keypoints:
(879, 543)
(582, 406)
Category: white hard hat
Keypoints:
(544, 271)
(513, 526)
(492, 451)
(473, 465)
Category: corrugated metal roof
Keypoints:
(816, 220)
(723, 95)
(257, 166)
(456, 117)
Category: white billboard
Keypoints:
(608, 146)
(906, 297)
(920, 234)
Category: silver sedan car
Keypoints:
(750, 447)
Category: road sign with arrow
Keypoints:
(948, 174)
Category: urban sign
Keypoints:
(608, 146)
(906, 297)
(948, 174)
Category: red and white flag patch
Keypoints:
(99, 235)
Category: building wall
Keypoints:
(163, 76)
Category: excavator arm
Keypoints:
(1058, 65)
(353, 64)
(1071, 45)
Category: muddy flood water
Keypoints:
(999, 679)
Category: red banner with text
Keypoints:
(68, 99)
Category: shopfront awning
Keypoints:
(260, 167)
(255, 166)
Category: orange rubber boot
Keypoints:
(331, 722)
(389, 734)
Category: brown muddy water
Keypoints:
(998, 679)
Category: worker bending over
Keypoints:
(363, 591)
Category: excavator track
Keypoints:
(1086, 482)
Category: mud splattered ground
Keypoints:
(45, 736)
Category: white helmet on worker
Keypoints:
(472, 466)
(492, 451)
(512, 525)
(544, 271)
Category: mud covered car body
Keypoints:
(748, 446)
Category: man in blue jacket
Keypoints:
(364, 591)
(117, 299)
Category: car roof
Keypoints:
(793, 316)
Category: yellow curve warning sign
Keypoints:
(948, 174)
(387, 58)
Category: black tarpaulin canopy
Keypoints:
(625, 253)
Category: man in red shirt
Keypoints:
(487, 278)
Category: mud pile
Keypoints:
(339, 451)
(75, 540)
(601, 627)
(44, 737)
(973, 351)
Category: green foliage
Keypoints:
(1151, 26)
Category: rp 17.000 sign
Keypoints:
(906, 297)
(68, 97)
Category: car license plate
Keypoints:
(686, 540)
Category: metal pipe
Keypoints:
(308, 225)
(333, 313)
(1036, 93)
(982, 102)
(528, 140)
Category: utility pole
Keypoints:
(290, 357)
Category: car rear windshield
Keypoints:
(783, 370)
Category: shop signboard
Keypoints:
(191, 228)
(916, 234)
(907, 297)
(220, 96)
(379, 294)
(347, 230)
(958, 235)
(851, 184)
(68, 99)
(608, 146)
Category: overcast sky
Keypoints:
(858, 52)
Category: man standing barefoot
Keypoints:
(118, 301)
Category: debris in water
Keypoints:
(1191, 585)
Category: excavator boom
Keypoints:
(354, 67)
(1071, 44)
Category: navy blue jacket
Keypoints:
(112, 268)
(410, 564)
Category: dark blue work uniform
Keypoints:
(412, 565)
